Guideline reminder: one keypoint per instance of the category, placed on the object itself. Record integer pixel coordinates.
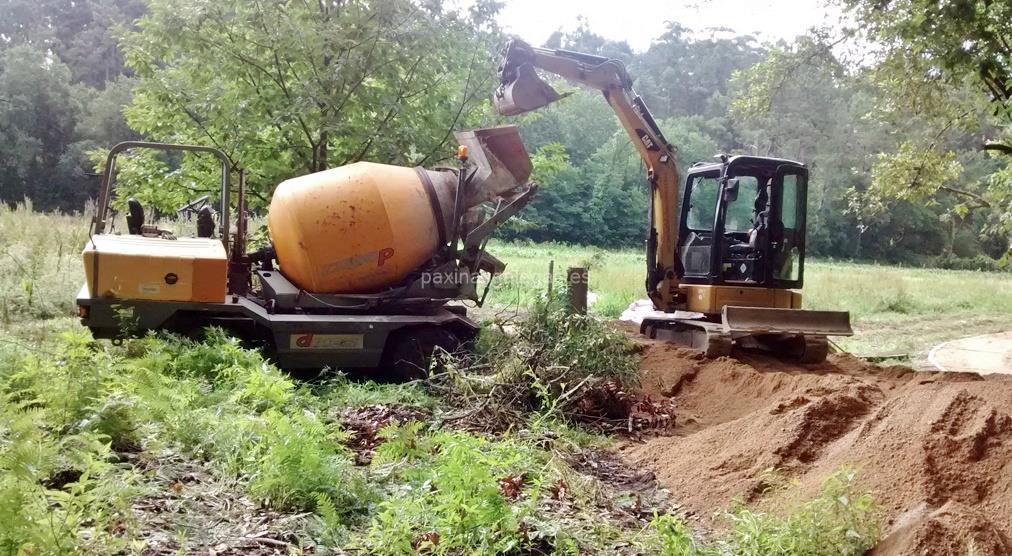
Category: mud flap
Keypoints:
(761, 320)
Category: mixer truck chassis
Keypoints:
(293, 341)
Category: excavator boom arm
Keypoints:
(521, 90)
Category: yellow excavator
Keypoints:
(724, 265)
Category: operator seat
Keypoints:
(135, 216)
(205, 222)
(757, 235)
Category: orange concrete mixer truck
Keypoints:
(363, 263)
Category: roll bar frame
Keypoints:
(109, 177)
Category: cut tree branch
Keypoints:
(1000, 147)
(981, 202)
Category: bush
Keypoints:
(226, 404)
(978, 262)
(545, 362)
(60, 491)
(585, 346)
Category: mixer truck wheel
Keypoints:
(409, 351)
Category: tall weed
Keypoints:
(61, 492)
(454, 493)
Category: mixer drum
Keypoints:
(356, 228)
(363, 227)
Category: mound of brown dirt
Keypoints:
(952, 529)
(935, 449)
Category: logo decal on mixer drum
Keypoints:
(380, 256)
(383, 255)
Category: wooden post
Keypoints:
(551, 279)
(577, 280)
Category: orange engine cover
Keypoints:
(352, 229)
(136, 267)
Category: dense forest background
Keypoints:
(904, 119)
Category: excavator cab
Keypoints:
(743, 223)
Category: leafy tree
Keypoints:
(602, 200)
(617, 193)
(102, 121)
(583, 39)
(285, 88)
(81, 33)
(875, 167)
(681, 75)
(950, 64)
(561, 209)
(55, 106)
(946, 42)
(38, 114)
(582, 122)
(778, 110)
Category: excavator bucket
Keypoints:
(520, 88)
(762, 320)
(526, 92)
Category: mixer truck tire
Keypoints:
(408, 352)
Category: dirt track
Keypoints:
(984, 354)
(934, 448)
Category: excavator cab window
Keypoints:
(702, 200)
(697, 237)
(740, 212)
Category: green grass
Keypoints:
(616, 276)
(78, 416)
(894, 310)
(41, 257)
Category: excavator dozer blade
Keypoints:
(526, 92)
(761, 320)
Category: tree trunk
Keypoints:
(323, 152)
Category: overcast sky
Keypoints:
(639, 21)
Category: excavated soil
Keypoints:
(935, 449)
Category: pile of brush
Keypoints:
(551, 364)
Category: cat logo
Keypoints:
(647, 141)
